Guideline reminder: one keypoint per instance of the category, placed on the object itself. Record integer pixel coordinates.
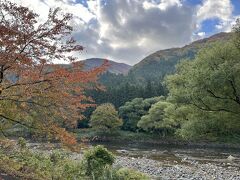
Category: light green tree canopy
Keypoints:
(105, 117)
(154, 120)
(209, 88)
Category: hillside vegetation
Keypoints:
(197, 96)
(161, 63)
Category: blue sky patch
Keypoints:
(236, 7)
(209, 26)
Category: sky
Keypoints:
(128, 30)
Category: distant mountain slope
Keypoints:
(160, 63)
(116, 68)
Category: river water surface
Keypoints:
(175, 154)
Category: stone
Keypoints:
(231, 158)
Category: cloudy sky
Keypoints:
(129, 30)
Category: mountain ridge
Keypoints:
(114, 67)
(91, 63)
(163, 62)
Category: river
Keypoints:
(173, 153)
(178, 162)
(174, 161)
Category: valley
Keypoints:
(69, 113)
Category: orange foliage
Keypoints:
(34, 92)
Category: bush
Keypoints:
(22, 143)
(97, 160)
(96, 165)
(25, 164)
(130, 174)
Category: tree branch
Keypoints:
(17, 122)
(237, 97)
(28, 83)
(218, 97)
(207, 108)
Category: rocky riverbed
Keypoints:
(190, 170)
(178, 164)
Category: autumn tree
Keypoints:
(35, 92)
(105, 118)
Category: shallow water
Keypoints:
(175, 154)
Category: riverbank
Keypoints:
(190, 170)
(88, 135)
(182, 167)
(166, 163)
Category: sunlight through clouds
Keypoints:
(128, 30)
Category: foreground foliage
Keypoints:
(23, 163)
(129, 174)
(96, 164)
(97, 160)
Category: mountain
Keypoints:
(155, 66)
(116, 68)
(145, 79)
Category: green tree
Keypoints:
(105, 118)
(132, 111)
(156, 120)
(208, 89)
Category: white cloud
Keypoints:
(162, 5)
(216, 9)
(128, 25)
(201, 34)
(198, 35)
(42, 8)
(221, 9)
(128, 30)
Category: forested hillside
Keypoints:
(145, 79)
(200, 91)
(157, 65)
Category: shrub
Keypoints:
(22, 143)
(130, 174)
(57, 156)
(97, 160)
(96, 165)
